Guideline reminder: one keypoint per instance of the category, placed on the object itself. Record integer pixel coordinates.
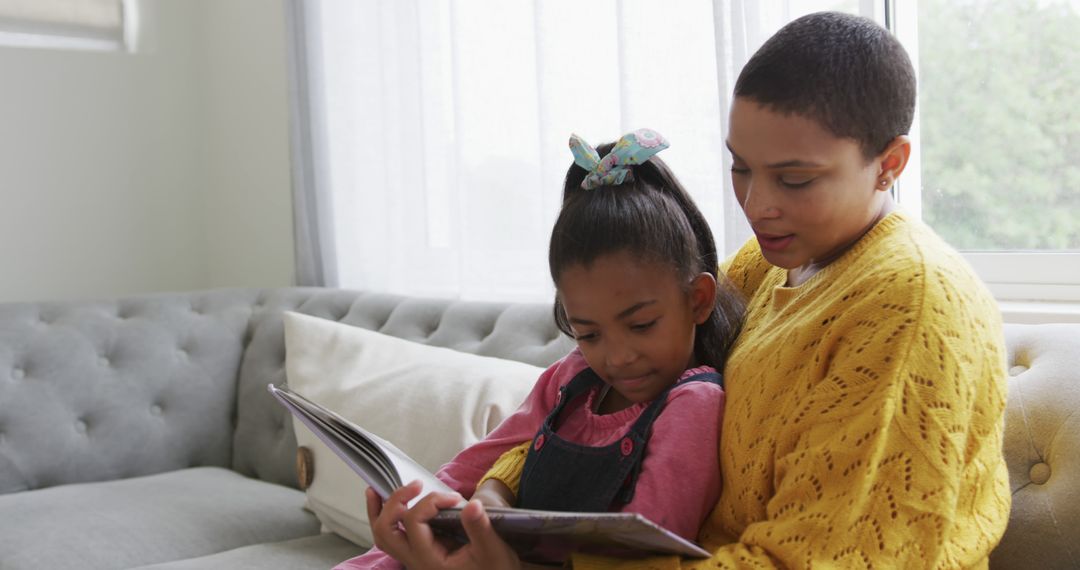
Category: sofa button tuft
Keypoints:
(103, 361)
(1040, 473)
(1017, 370)
(155, 409)
(80, 426)
(18, 374)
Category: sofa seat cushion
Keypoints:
(156, 518)
(322, 551)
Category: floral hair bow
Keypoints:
(614, 169)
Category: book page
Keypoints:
(379, 463)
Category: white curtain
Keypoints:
(435, 131)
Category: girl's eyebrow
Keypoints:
(785, 164)
(622, 314)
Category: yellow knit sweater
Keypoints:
(864, 415)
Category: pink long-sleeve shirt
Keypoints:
(679, 482)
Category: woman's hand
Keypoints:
(404, 534)
(494, 493)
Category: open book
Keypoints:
(385, 468)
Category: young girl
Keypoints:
(629, 420)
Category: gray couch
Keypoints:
(138, 433)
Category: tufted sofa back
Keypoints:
(264, 443)
(93, 391)
(1042, 447)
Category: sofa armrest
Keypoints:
(1042, 447)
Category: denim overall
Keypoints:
(563, 476)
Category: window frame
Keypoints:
(1017, 279)
(27, 35)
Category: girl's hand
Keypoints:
(404, 534)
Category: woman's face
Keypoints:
(807, 194)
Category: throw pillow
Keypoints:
(429, 401)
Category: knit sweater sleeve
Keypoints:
(893, 460)
(508, 468)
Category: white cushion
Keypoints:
(431, 402)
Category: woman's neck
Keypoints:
(800, 275)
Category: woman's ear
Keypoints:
(703, 296)
(892, 161)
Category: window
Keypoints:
(105, 25)
(998, 127)
(439, 128)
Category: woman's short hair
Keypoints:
(845, 72)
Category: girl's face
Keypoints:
(807, 194)
(634, 322)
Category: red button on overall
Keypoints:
(627, 446)
(539, 442)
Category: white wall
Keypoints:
(155, 171)
(247, 207)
